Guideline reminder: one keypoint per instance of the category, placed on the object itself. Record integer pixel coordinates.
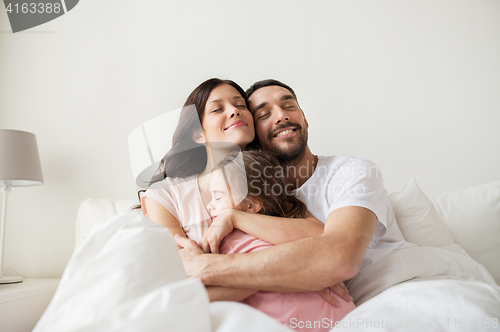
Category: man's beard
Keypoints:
(292, 153)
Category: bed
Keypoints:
(126, 274)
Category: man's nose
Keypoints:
(281, 115)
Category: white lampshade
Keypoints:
(19, 159)
(19, 166)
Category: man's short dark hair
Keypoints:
(269, 82)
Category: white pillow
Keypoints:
(417, 218)
(94, 211)
(473, 217)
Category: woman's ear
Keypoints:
(252, 205)
(199, 137)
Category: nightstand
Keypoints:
(22, 304)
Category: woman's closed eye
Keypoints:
(217, 110)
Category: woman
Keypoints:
(221, 110)
(180, 193)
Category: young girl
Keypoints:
(251, 182)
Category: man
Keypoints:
(346, 193)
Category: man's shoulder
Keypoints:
(336, 162)
(347, 169)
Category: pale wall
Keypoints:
(413, 85)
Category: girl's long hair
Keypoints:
(255, 175)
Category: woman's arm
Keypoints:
(161, 215)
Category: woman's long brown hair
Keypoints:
(186, 157)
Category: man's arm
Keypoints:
(308, 264)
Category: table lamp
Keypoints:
(19, 166)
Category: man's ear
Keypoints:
(252, 205)
(199, 137)
(305, 120)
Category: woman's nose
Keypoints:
(234, 112)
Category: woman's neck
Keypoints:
(216, 153)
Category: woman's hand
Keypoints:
(221, 226)
(340, 289)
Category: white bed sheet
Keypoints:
(429, 304)
(128, 276)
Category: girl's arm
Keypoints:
(274, 230)
(219, 293)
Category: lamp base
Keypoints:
(10, 279)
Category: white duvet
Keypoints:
(128, 276)
(424, 288)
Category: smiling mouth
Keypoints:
(236, 124)
(286, 133)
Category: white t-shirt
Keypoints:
(340, 181)
(182, 197)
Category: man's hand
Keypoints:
(340, 289)
(221, 226)
(191, 255)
